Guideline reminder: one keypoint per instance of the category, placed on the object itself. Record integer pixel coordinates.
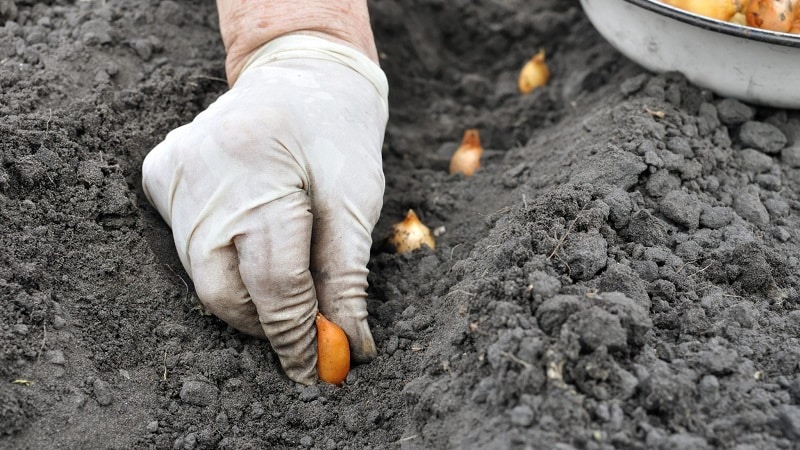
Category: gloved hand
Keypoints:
(272, 194)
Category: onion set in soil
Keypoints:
(467, 158)
(410, 234)
(535, 73)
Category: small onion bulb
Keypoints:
(773, 15)
(411, 234)
(467, 158)
(534, 74)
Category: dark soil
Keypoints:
(621, 273)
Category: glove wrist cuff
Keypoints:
(297, 45)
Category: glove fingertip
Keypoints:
(362, 345)
(364, 352)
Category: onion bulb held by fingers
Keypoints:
(534, 74)
(333, 351)
(411, 234)
(773, 15)
(467, 158)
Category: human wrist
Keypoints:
(246, 26)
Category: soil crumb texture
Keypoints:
(622, 272)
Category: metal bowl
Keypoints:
(750, 64)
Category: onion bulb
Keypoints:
(333, 351)
(773, 15)
(714, 9)
(534, 74)
(411, 234)
(467, 158)
(796, 24)
(739, 19)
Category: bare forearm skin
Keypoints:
(246, 25)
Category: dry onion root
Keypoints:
(411, 234)
(534, 74)
(467, 158)
(333, 351)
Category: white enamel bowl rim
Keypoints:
(701, 48)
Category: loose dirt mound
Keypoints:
(621, 273)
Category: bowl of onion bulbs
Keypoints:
(745, 49)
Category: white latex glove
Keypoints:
(272, 194)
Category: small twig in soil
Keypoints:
(47, 126)
(44, 342)
(684, 266)
(502, 210)
(453, 250)
(206, 77)
(407, 438)
(569, 230)
(460, 291)
(701, 270)
(185, 284)
(164, 377)
(655, 113)
(517, 360)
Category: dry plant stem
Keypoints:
(655, 113)
(517, 360)
(684, 265)
(185, 285)
(407, 438)
(206, 77)
(701, 270)
(564, 237)
(44, 342)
